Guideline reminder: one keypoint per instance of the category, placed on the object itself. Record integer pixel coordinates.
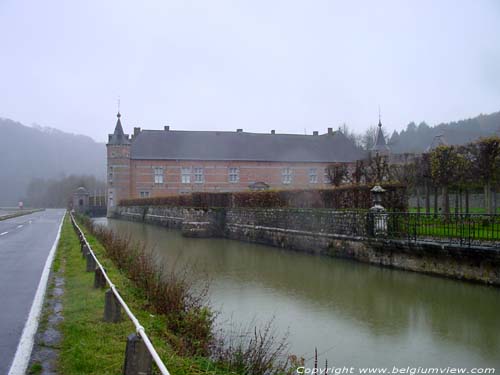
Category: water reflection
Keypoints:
(356, 314)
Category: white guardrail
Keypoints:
(139, 328)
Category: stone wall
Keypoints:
(325, 232)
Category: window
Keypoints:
(286, 175)
(326, 177)
(198, 175)
(110, 176)
(158, 175)
(234, 174)
(144, 194)
(313, 176)
(185, 175)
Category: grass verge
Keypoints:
(89, 345)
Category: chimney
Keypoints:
(166, 128)
(315, 132)
(330, 131)
(239, 130)
(273, 131)
(137, 130)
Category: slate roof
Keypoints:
(436, 142)
(380, 143)
(118, 137)
(215, 145)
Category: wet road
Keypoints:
(25, 243)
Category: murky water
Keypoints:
(355, 314)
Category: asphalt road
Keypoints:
(25, 242)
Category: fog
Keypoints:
(258, 65)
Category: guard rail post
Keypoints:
(112, 308)
(91, 264)
(140, 351)
(99, 279)
(138, 360)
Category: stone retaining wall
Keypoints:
(325, 232)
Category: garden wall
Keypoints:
(325, 232)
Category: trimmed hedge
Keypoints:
(344, 197)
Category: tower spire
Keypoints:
(380, 146)
(118, 114)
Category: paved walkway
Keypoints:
(25, 243)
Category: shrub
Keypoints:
(170, 293)
(343, 197)
(188, 316)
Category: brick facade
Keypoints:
(143, 176)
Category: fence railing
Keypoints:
(136, 360)
(462, 229)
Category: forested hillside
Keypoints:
(416, 138)
(27, 153)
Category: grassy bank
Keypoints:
(89, 345)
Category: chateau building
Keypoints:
(168, 162)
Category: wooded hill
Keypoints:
(416, 138)
(28, 153)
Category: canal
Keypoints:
(355, 314)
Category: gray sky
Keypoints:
(258, 65)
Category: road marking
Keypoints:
(23, 352)
(20, 226)
(3, 234)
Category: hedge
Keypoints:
(344, 197)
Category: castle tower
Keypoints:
(118, 157)
(380, 147)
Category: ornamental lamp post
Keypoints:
(378, 212)
(377, 192)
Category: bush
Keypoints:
(188, 316)
(170, 293)
(344, 197)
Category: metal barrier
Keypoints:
(139, 328)
(461, 229)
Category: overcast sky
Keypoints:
(257, 65)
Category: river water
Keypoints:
(355, 314)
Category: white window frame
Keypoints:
(185, 175)
(198, 175)
(286, 175)
(144, 194)
(326, 176)
(234, 175)
(313, 175)
(158, 175)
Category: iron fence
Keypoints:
(462, 229)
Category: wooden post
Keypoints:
(99, 279)
(91, 264)
(138, 360)
(112, 308)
